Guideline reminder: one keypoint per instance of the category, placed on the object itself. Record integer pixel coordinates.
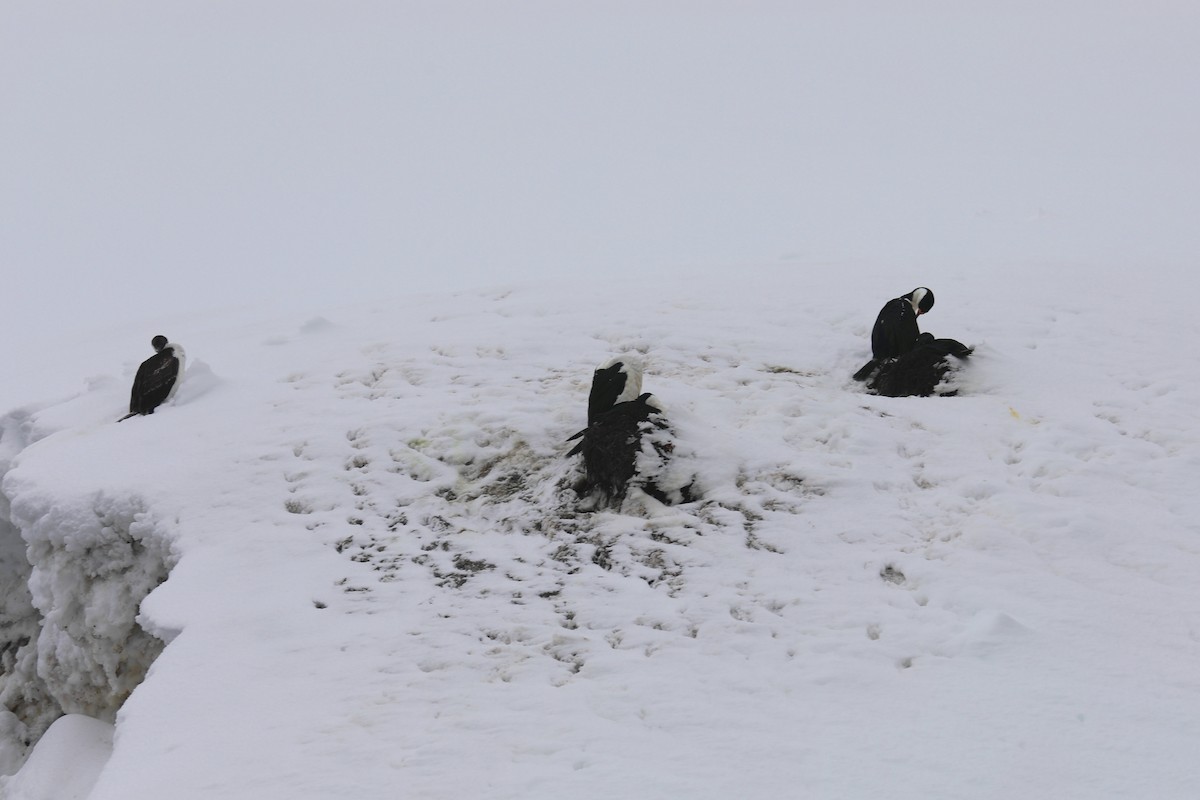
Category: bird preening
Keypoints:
(157, 379)
(905, 362)
(616, 381)
(627, 442)
(896, 331)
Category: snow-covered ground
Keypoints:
(396, 238)
(380, 586)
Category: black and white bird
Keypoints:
(627, 441)
(896, 331)
(616, 381)
(905, 362)
(158, 378)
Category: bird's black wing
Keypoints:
(953, 347)
(153, 382)
(610, 446)
(895, 331)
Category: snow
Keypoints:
(345, 560)
(66, 762)
(381, 583)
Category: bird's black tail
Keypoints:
(866, 370)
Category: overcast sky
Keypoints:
(193, 155)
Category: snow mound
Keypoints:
(65, 764)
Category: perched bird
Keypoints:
(157, 378)
(627, 441)
(896, 331)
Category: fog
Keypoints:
(158, 158)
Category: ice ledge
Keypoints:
(75, 571)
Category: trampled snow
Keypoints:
(380, 585)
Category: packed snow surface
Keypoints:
(380, 584)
